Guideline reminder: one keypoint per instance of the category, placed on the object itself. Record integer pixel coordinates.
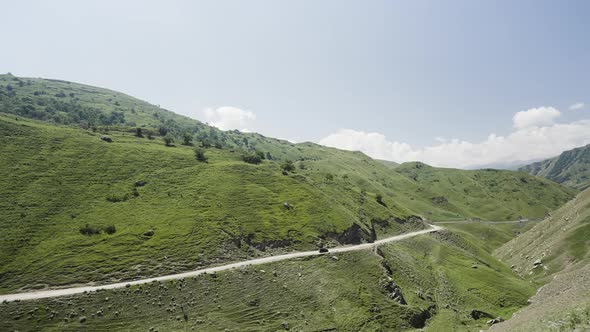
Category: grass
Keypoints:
(491, 236)
(342, 292)
(62, 188)
(58, 179)
(578, 241)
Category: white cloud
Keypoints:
(577, 106)
(527, 142)
(228, 118)
(535, 117)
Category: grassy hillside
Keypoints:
(555, 253)
(571, 168)
(427, 282)
(76, 209)
(483, 194)
(59, 184)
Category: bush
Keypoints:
(200, 155)
(116, 199)
(329, 177)
(169, 141)
(187, 139)
(88, 230)
(379, 199)
(288, 166)
(110, 229)
(252, 159)
(138, 133)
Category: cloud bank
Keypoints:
(228, 118)
(535, 136)
(577, 106)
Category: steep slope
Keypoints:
(555, 253)
(76, 209)
(571, 168)
(427, 282)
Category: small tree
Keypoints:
(187, 139)
(288, 166)
(206, 143)
(260, 154)
(252, 159)
(200, 155)
(169, 140)
(138, 133)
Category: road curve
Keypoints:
(77, 290)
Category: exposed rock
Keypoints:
(140, 183)
(149, 233)
(477, 314)
(287, 206)
(82, 319)
(495, 321)
(537, 262)
(355, 234)
(393, 290)
(285, 325)
(106, 138)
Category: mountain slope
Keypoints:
(555, 253)
(59, 184)
(76, 209)
(427, 282)
(571, 168)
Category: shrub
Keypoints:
(288, 166)
(187, 139)
(205, 143)
(252, 159)
(88, 230)
(169, 141)
(329, 177)
(379, 199)
(200, 155)
(110, 229)
(138, 132)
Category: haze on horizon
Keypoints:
(458, 84)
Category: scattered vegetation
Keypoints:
(200, 155)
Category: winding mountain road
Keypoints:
(77, 290)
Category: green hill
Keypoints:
(77, 209)
(571, 168)
(556, 254)
(427, 283)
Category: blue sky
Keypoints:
(395, 79)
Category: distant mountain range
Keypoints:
(571, 168)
